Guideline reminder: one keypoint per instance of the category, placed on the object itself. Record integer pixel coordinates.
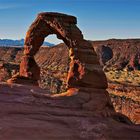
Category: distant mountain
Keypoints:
(13, 43)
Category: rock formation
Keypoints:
(85, 71)
(54, 69)
(84, 111)
(84, 66)
(28, 118)
(126, 53)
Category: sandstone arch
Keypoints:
(84, 70)
(85, 75)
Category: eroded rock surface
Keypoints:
(126, 53)
(54, 68)
(26, 117)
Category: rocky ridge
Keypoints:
(118, 53)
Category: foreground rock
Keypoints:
(29, 118)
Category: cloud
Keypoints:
(11, 6)
(7, 6)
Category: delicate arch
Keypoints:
(84, 71)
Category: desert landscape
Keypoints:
(69, 70)
(76, 90)
(123, 80)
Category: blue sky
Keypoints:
(98, 19)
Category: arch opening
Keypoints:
(54, 66)
(52, 40)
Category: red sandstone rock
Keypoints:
(81, 51)
(28, 118)
(49, 58)
(28, 65)
(84, 68)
